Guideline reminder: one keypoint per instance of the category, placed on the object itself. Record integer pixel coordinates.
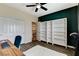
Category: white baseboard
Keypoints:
(71, 46)
(68, 46)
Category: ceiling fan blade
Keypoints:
(43, 3)
(36, 9)
(44, 8)
(37, 3)
(30, 5)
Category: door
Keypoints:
(12, 27)
(34, 31)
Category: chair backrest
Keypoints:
(76, 37)
(17, 41)
(77, 46)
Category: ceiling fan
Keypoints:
(38, 5)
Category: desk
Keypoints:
(10, 51)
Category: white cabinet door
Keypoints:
(49, 31)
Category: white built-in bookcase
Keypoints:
(42, 31)
(49, 31)
(54, 31)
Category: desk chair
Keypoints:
(17, 41)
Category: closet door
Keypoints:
(49, 31)
(12, 27)
(19, 29)
(59, 31)
(43, 31)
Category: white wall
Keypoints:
(6, 11)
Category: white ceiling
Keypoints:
(52, 7)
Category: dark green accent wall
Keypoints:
(72, 25)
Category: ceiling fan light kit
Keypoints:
(38, 6)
